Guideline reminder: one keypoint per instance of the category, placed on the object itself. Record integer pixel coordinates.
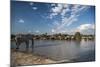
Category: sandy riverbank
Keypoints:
(26, 58)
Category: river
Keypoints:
(60, 50)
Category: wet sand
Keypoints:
(26, 58)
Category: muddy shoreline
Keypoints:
(19, 58)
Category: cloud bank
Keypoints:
(69, 14)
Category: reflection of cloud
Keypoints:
(21, 21)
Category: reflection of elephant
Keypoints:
(24, 39)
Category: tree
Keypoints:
(12, 36)
(77, 36)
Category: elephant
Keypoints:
(19, 38)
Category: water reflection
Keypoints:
(64, 50)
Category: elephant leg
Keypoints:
(32, 44)
(17, 44)
(27, 45)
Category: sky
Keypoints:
(51, 18)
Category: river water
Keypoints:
(60, 50)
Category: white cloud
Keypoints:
(85, 27)
(56, 23)
(29, 31)
(31, 3)
(75, 12)
(21, 21)
(52, 15)
(77, 8)
(60, 31)
(52, 30)
(64, 11)
(67, 20)
(53, 4)
(58, 9)
(34, 8)
(69, 14)
(37, 31)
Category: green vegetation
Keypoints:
(59, 36)
(77, 36)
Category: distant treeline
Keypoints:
(76, 36)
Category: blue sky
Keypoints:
(51, 18)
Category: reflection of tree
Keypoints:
(78, 42)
